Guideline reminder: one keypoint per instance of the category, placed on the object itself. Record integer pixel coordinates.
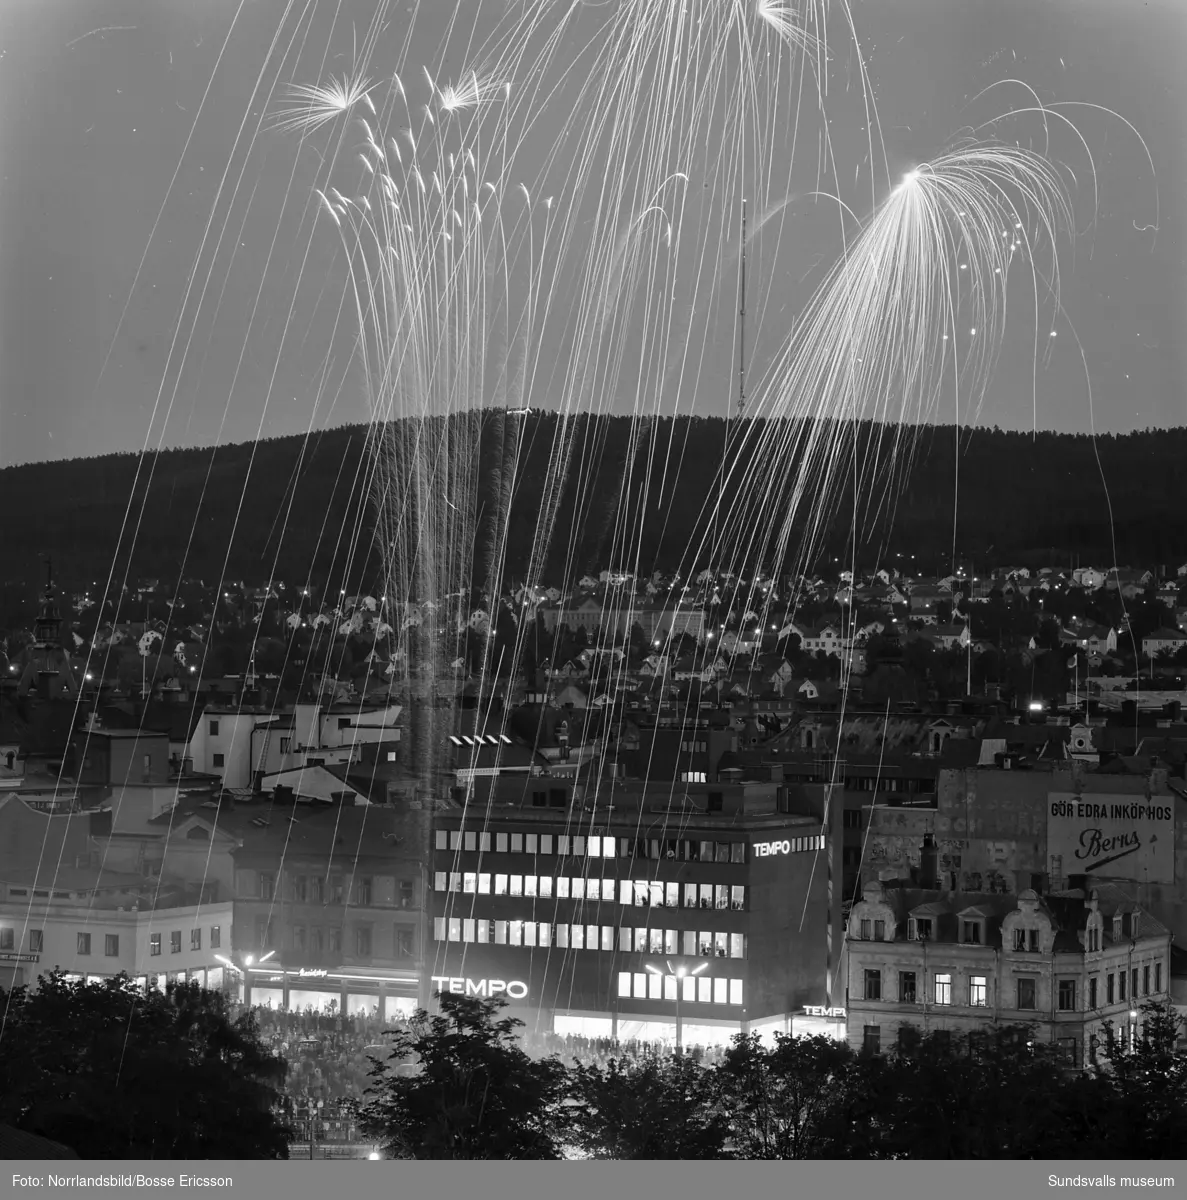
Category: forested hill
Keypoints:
(300, 506)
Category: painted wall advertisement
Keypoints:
(1122, 837)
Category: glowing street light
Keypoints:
(679, 974)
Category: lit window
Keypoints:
(704, 990)
(721, 991)
(545, 934)
(608, 938)
(562, 888)
(468, 932)
(484, 932)
(515, 933)
(690, 895)
(455, 839)
(438, 929)
(531, 841)
(978, 991)
(500, 843)
(484, 842)
(500, 885)
(455, 881)
(546, 887)
(655, 985)
(640, 940)
(471, 842)
(483, 884)
(529, 885)
(529, 933)
(943, 989)
(577, 937)
(439, 880)
(442, 840)
(670, 982)
(562, 937)
(517, 843)
(455, 929)
(578, 847)
(737, 945)
(546, 843)
(640, 984)
(469, 882)
(624, 984)
(562, 844)
(736, 992)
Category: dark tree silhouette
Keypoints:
(475, 1093)
(114, 1073)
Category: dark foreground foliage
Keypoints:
(115, 1073)
(996, 1095)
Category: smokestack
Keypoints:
(929, 863)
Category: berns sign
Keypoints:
(513, 988)
(1123, 836)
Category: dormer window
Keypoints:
(919, 929)
(970, 933)
(866, 929)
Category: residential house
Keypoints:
(1163, 641)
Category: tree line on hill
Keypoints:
(301, 508)
(113, 1073)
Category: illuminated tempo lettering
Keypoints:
(765, 849)
(513, 989)
(816, 1010)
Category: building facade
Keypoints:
(1074, 967)
(329, 910)
(642, 920)
(105, 936)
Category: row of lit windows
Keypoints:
(646, 985)
(111, 941)
(580, 846)
(1149, 977)
(636, 893)
(689, 942)
(154, 941)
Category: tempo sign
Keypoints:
(766, 849)
(815, 1010)
(513, 989)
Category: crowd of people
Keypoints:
(328, 1056)
(329, 1053)
(599, 1051)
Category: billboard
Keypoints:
(1122, 837)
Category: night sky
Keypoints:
(98, 131)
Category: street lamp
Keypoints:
(679, 974)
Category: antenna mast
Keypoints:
(742, 321)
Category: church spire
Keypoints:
(47, 629)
